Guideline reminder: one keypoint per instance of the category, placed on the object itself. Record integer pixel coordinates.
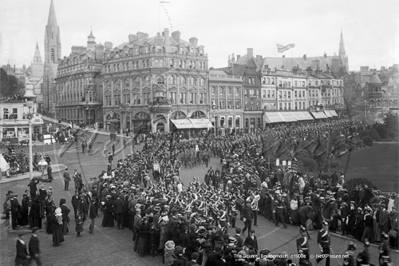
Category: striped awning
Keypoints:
(182, 123)
(302, 116)
(288, 117)
(333, 113)
(272, 117)
(318, 115)
(327, 113)
(201, 123)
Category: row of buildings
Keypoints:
(163, 82)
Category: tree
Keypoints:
(9, 84)
(391, 122)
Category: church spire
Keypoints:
(52, 19)
(37, 57)
(342, 45)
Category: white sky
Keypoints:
(223, 26)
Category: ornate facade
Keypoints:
(79, 88)
(149, 81)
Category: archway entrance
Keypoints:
(160, 127)
(141, 123)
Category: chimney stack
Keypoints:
(176, 36)
(250, 52)
(166, 37)
(132, 38)
(194, 41)
(108, 45)
(309, 70)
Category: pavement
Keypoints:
(109, 246)
(56, 169)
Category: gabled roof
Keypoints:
(374, 79)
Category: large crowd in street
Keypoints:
(188, 223)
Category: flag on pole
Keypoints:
(282, 48)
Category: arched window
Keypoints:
(237, 121)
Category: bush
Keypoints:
(392, 135)
(382, 131)
(364, 133)
(368, 141)
(353, 182)
(374, 135)
(307, 164)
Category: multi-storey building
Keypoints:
(150, 81)
(15, 117)
(247, 66)
(377, 89)
(79, 88)
(227, 101)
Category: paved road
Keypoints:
(109, 246)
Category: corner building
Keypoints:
(153, 84)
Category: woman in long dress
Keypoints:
(34, 214)
(108, 219)
(50, 208)
(144, 234)
(58, 236)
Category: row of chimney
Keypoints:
(141, 37)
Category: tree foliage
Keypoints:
(9, 84)
(367, 140)
(382, 131)
(351, 184)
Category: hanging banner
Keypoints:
(284, 163)
(277, 162)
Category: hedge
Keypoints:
(374, 135)
(353, 182)
(382, 131)
(364, 133)
(368, 141)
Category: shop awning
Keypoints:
(307, 116)
(327, 113)
(182, 123)
(201, 123)
(333, 113)
(302, 116)
(288, 117)
(272, 117)
(318, 115)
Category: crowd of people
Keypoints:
(188, 223)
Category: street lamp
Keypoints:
(29, 104)
(365, 106)
(43, 164)
(87, 112)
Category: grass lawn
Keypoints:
(379, 164)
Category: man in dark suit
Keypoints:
(65, 216)
(193, 261)
(251, 241)
(75, 202)
(15, 207)
(119, 209)
(34, 247)
(240, 241)
(247, 216)
(22, 257)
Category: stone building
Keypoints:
(149, 82)
(227, 101)
(78, 84)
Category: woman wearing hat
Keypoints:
(58, 236)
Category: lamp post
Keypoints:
(43, 164)
(29, 104)
(87, 112)
(365, 111)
